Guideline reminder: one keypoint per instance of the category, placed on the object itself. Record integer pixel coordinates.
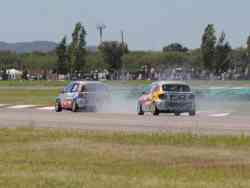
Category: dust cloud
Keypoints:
(211, 99)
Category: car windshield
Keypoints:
(176, 88)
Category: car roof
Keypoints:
(87, 82)
(167, 82)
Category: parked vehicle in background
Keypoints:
(167, 97)
(83, 95)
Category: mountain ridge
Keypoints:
(27, 47)
(34, 46)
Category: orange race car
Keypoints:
(167, 97)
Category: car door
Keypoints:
(83, 96)
(152, 97)
(145, 99)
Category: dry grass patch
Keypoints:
(69, 158)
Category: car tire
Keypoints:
(74, 107)
(139, 110)
(177, 113)
(156, 112)
(58, 106)
(192, 113)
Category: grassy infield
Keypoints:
(63, 158)
(70, 158)
(44, 92)
(30, 92)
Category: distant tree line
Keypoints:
(215, 57)
(36, 63)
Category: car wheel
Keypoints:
(192, 113)
(75, 107)
(156, 112)
(177, 113)
(58, 106)
(139, 110)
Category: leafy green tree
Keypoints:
(95, 62)
(76, 35)
(71, 60)
(208, 47)
(61, 52)
(239, 61)
(9, 60)
(5, 75)
(222, 56)
(135, 61)
(81, 52)
(248, 45)
(196, 63)
(112, 52)
(175, 47)
(73, 48)
(248, 57)
(25, 75)
(38, 63)
(77, 50)
(248, 49)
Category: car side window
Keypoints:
(75, 88)
(83, 89)
(68, 88)
(154, 88)
(146, 89)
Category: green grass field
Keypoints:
(32, 83)
(44, 92)
(69, 158)
(14, 96)
(198, 83)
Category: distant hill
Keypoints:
(26, 47)
(36, 46)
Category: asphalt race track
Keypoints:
(203, 123)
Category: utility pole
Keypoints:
(100, 29)
(123, 71)
(122, 37)
(123, 40)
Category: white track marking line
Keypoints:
(220, 115)
(46, 108)
(198, 112)
(20, 106)
(203, 112)
(2, 105)
(212, 114)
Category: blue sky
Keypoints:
(149, 24)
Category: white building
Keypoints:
(14, 74)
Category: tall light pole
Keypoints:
(123, 41)
(122, 37)
(100, 28)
